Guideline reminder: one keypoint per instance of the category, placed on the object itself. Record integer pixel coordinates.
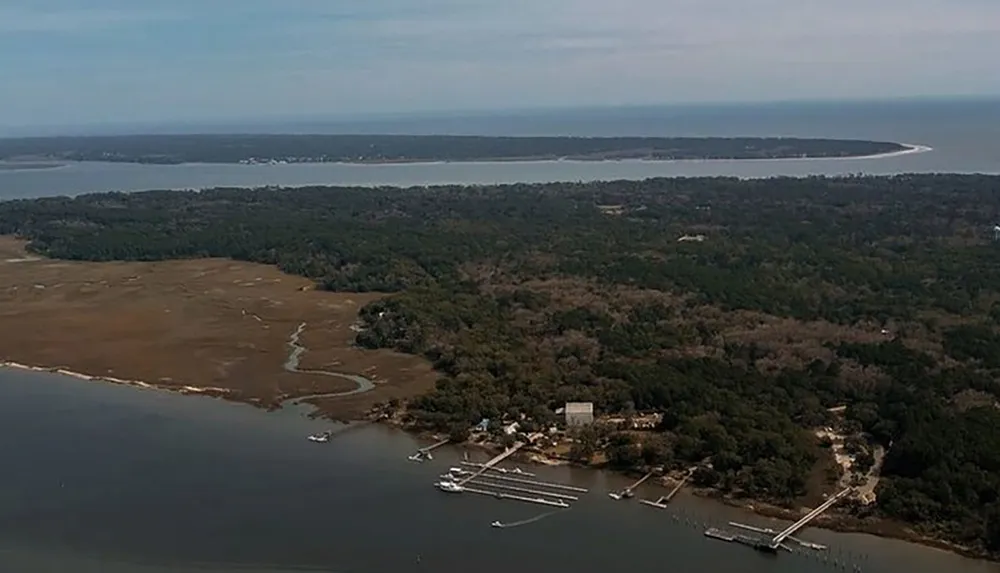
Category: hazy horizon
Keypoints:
(425, 121)
(119, 62)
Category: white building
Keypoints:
(579, 413)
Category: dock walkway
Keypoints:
(791, 529)
(499, 458)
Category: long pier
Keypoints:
(627, 492)
(515, 497)
(547, 484)
(525, 490)
(499, 458)
(776, 542)
(432, 447)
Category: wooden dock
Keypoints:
(551, 485)
(662, 502)
(630, 490)
(567, 497)
(515, 497)
(425, 452)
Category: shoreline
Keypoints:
(210, 391)
(835, 522)
(909, 149)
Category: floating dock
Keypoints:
(499, 495)
(508, 478)
(524, 490)
(660, 503)
(769, 531)
(719, 534)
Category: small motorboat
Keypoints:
(449, 486)
(415, 458)
(496, 524)
(322, 437)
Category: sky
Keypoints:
(80, 62)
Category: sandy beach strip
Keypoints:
(134, 383)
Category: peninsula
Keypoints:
(786, 336)
(257, 149)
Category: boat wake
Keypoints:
(527, 521)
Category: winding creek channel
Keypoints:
(295, 351)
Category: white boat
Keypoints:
(428, 455)
(614, 495)
(320, 438)
(415, 457)
(456, 471)
(496, 524)
(448, 477)
(449, 486)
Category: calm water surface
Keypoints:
(103, 478)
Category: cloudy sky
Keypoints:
(92, 61)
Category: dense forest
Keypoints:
(172, 149)
(741, 309)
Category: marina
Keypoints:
(492, 480)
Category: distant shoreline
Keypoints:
(910, 149)
(387, 149)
